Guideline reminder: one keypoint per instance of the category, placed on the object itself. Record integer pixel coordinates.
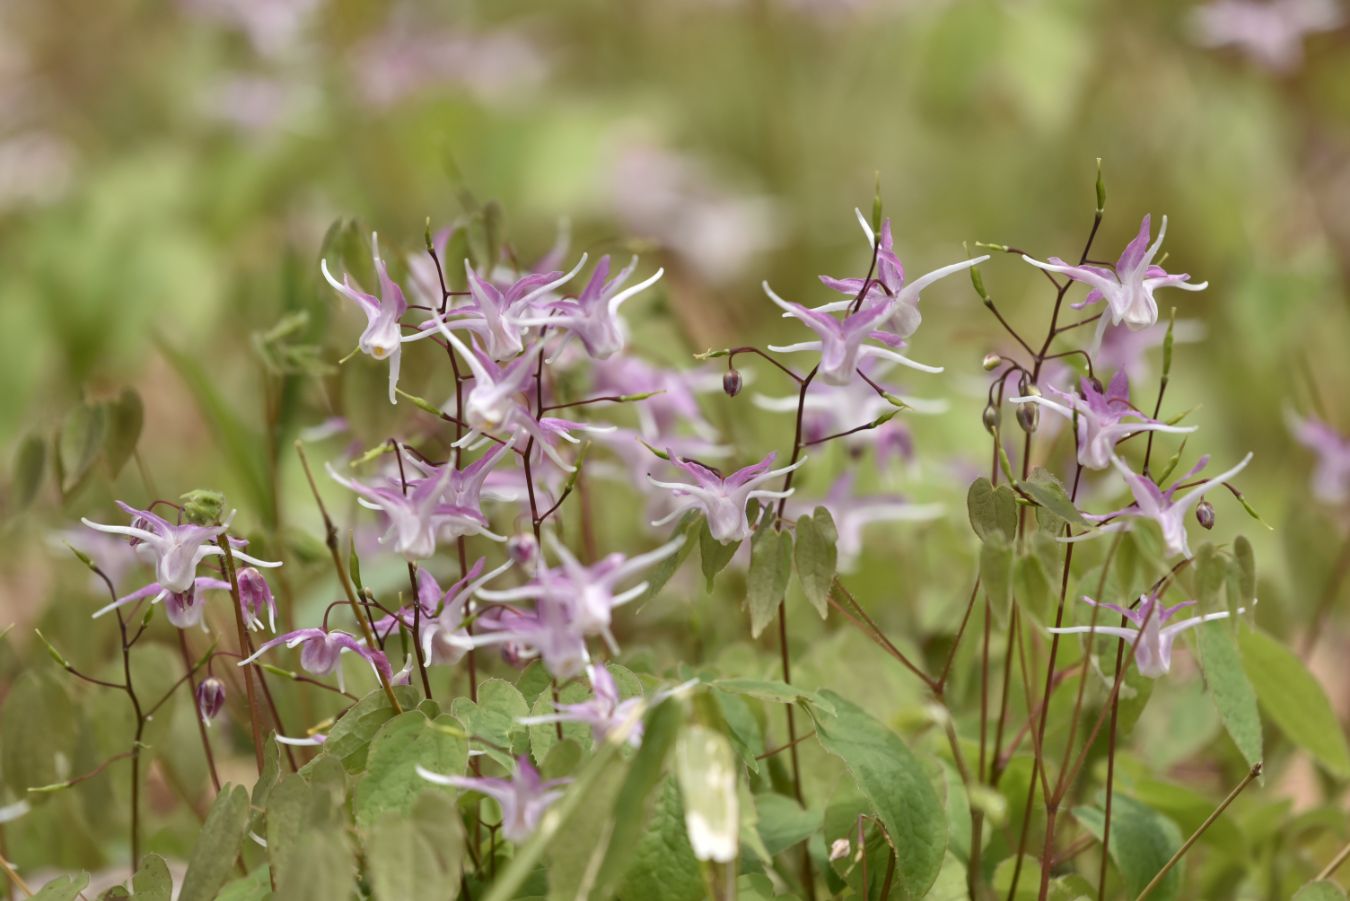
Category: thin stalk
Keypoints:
(201, 724)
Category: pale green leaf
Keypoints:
(217, 845)
(770, 570)
(817, 557)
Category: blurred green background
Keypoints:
(168, 172)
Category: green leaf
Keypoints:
(1294, 700)
(1028, 878)
(417, 857)
(37, 708)
(79, 444)
(783, 823)
(769, 690)
(817, 557)
(349, 739)
(1142, 841)
(1227, 685)
(663, 866)
(407, 741)
(713, 554)
(126, 417)
(63, 888)
(287, 813)
(1322, 890)
(705, 768)
(896, 784)
(322, 868)
(256, 886)
(1047, 491)
(991, 510)
(29, 463)
(543, 736)
(152, 881)
(661, 573)
(741, 727)
(217, 845)
(996, 572)
(770, 570)
(494, 719)
(1244, 568)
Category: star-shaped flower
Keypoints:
(722, 499)
(523, 798)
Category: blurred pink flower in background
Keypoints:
(1269, 33)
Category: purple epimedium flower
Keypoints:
(1128, 288)
(421, 515)
(548, 633)
(722, 499)
(589, 593)
(1161, 506)
(523, 798)
(1151, 635)
(594, 316)
(499, 317)
(604, 714)
(210, 698)
(1103, 418)
(321, 650)
(840, 342)
(255, 596)
(1331, 476)
(887, 288)
(383, 337)
(183, 608)
(173, 550)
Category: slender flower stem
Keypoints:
(254, 710)
(1200, 830)
(201, 724)
(1335, 863)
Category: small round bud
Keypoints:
(731, 382)
(991, 362)
(1028, 417)
(1204, 514)
(210, 698)
(255, 596)
(991, 417)
(522, 549)
(202, 507)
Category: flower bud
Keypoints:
(731, 382)
(522, 549)
(1204, 514)
(210, 698)
(839, 849)
(1028, 417)
(991, 417)
(254, 597)
(203, 508)
(991, 362)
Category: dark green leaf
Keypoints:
(349, 739)
(991, 509)
(63, 888)
(713, 554)
(407, 741)
(996, 572)
(1322, 890)
(1047, 491)
(770, 570)
(1142, 841)
(418, 857)
(217, 845)
(1227, 685)
(152, 881)
(783, 823)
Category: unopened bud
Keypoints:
(210, 698)
(1204, 514)
(991, 417)
(1028, 417)
(203, 508)
(839, 849)
(255, 596)
(1096, 384)
(522, 549)
(991, 362)
(731, 382)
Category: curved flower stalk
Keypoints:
(1152, 636)
(523, 798)
(1128, 288)
(321, 651)
(419, 518)
(887, 288)
(383, 337)
(174, 550)
(722, 499)
(1331, 475)
(840, 341)
(593, 317)
(499, 317)
(1159, 505)
(1103, 418)
(588, 593)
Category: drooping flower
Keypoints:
(173, 550)
(589, 593)
(255, 596)
(594, 316)
(548, 632)
(1331, 476)
(1153, 637)
(1159, 505)
(210, 697)
(1103, 418)
(722, 499)
(321, 650)
(445, 639)
(840, 341)
(184, 608)
(887, 287)
(1128, 287)
(604, 713)
(421, 516)
(523, 798)
(383, 337)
